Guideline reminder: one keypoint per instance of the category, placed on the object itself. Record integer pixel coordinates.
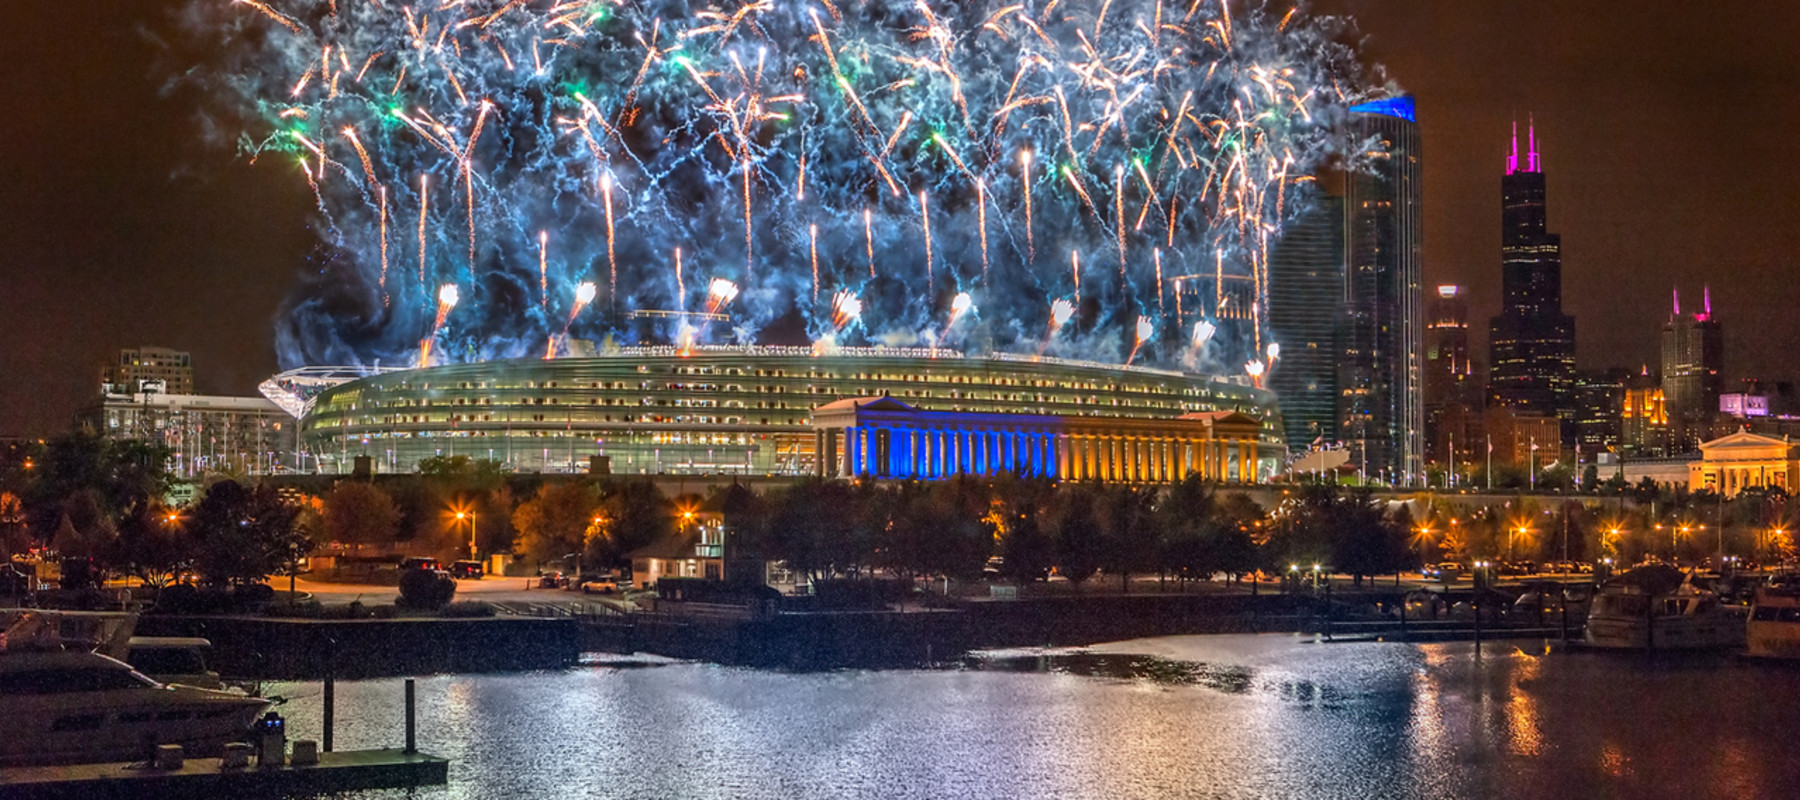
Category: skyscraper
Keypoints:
(1452, 386)
(1306, 286)
(1531, 344)
(1644, 420)
(135, 365)
(1381, 412)
(1693, 350)
(1600, 406)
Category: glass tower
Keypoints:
(1381, 412)
(1531, 344)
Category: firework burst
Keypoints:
(930, 143)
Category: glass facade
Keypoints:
(1381, 412)
(1306, 291)
(719, 410)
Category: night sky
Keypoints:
(1667, 134)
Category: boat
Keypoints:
(174, 659)
(1656, 607)
(65, 702)
(1773, 630)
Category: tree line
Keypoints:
(103, 501)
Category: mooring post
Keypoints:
(330, 689)
(1475, 602)
(412, 745)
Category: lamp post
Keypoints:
(470, 516)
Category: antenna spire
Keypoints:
(1534, 165)
(1512, 161)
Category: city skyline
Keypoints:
(149, 238)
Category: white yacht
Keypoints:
(63, 703)
(1774, 627)
(1656, 608)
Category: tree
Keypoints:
(86, 529)
(941, 529)
(1239, 532)
(1365, 541)
(556, 521)
(359, 513)
(633, 513)
(806, 522)
(1132, 536)
(1185, 515)
(1025, 547)
(13, 532)
(152, 544)
(240, 532)
(1077, 533)
(462, 473)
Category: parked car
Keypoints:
(467, 569)
(600, 586)
(419, 562)
(552, 580)
(1446, 572)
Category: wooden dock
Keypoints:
(203, 777)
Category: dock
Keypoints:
(203, 777)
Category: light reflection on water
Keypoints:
(1213, 716)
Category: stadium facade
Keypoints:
(713, 410)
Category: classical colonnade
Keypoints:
(905, 451)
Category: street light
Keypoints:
(470, 515)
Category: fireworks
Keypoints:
(1061, 311)
(845, 309)
(958, 307)
(584, 294)
(1203, 333)
(447, 297)
(719, 294)
(953, 137)
(1145, 329)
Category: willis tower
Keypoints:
(1531, 343)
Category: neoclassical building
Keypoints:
(885, 438)
(1742, 461)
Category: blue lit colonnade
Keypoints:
(884, 438)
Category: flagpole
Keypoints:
(1531, 461)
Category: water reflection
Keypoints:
(1224, 716)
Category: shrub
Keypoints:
(252, 594)
(426, 589)
(474, 608)
(303, 609)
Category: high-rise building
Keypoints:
(1306, 288)
(203, 433)
(1381, 410)
(1644, 417)
(1531, 344)
(1520, 439)
(135, 365)
(1452, 384)
(1599, 409)
(1693, 350)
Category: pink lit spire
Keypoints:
(1677, 314)
(1533, 164)
(1512, 161)
(1706, 304)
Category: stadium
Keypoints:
(713, 410)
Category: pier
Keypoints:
(206, 777)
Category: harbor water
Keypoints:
(1199, 716)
